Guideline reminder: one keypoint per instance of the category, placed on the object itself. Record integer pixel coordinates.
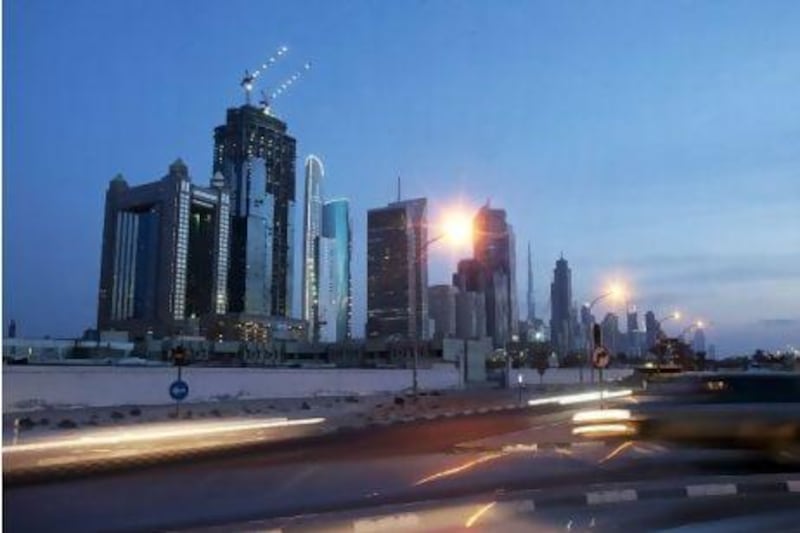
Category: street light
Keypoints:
(456, 228)
(675, 315)
(696, 325)
(616, 291)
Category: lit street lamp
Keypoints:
(616, 291)
(457, 229)
(660, 335)
(696, 325)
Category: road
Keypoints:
(481, 456)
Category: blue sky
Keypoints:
(655, 142)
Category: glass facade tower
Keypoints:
(312, 230)
(256, 156)
(335, 288)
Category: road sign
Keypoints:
(179, 390)
(600, 357)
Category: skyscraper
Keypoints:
(165, 253)
(418, 220)
(494, 251)
(256, 156)
(561, 323)
(470, 300)
(442, 303)
(611, 333)
(397, 270)
(335, 281)
(312, 229)
(699, 341)
(531, 301)
(634, 334)
(652, 329)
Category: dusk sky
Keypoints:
(657, 143)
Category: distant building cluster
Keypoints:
(215, 263)
(180, 259)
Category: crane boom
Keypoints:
(283, 87)
(248, 80)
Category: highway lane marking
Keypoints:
(793, 485)
(711, 489)
(611, 496)
(616, 451)
(478, 514)
(385, 523)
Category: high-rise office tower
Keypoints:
(397, 269)
(335, 281)
(652, 329)
(494, 251)
(469, 276)
(634, 335)
(611, 333)
(587, 321)
(470, 300)
(418, 220)
(531, 301)
(165, 253)
(312, 230)
(442, 306)
(561, 323)
(699, 341)
(256, 156)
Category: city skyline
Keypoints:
(689, 259)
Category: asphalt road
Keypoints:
(483, 455)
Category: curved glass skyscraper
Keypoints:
(312, 231)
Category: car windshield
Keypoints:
(410, 265)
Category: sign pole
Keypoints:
(178, 402)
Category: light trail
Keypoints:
(616, 451)
(602, 415)
(569, 399)
(478, 514)
(458, 469)
(132, 435)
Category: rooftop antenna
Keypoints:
(398, 188)
(248, 80)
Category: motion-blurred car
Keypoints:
(732, 410)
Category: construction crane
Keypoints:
(266, 100)
(248, 80)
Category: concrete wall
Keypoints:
(566, 376)
(32, 387)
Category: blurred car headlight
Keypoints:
(601, 415)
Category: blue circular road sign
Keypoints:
(179, 390)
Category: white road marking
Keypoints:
(711, 489)
(611, 496)
(387, 523)
(793, 485)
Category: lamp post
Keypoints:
(696, 325)
(660, 334)
(457, 228)
(615, 291)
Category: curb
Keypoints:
(504, 509)
(439, 416)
